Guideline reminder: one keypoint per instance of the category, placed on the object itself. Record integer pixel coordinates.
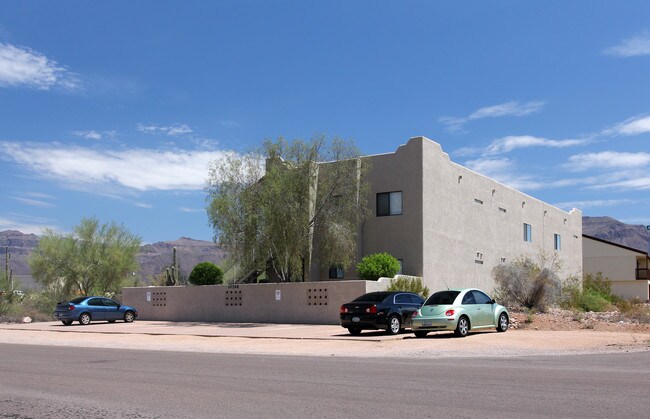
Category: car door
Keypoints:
(96, 307)
(469, 307)
(403, 305)
(485, 308)
(112, 309)
(415, 303)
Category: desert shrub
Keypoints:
(593, 294)
(526, 283)
(412, 284)
(206, 273)
(378, 265)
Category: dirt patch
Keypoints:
(557, 319)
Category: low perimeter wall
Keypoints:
(632, 289)
(297, 303)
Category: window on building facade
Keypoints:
(557, 239)
(528, 233)
(389, 203)
(336, 272)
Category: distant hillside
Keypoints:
(153, 258)
(606, 228)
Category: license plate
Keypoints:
(355, 320)
(425, 323)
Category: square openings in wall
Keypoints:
(233, 297)
(317, 296)
(159, 299)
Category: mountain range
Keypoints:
(154, 258)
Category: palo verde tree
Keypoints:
(94, 259)
(278, 205)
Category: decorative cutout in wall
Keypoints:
(233, 297)
(317, 296)
(159, 298)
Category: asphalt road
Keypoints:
(45, 381)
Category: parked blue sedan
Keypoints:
(87, 309)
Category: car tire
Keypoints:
(85, 319)
(354, 331)
(129, 316)
(503, 323)
(66, 322)
(394, 325)
(421, 334)
(462, 329)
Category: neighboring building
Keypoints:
(626, 267)
(451, 225)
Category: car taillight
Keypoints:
(70, 307)
(416, 313)
(449, 313)
(343, 310)
(372, 309)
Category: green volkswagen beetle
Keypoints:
(459, 310)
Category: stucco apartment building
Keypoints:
(451, 225)
(625, 267)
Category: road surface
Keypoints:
(60, 382)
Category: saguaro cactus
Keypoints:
(173, 274)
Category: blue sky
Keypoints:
(115, 109)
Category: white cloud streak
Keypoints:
(23, 67)
(599, 203)
(633, 126)
(513, 108)
(509, 143)
(631, 47)
(173, 130)
(90, 135)
(607, 160)
(137, 169)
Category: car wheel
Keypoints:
(394, 325)
(421, 334)
(462, 329)
(504, 322)
(84, 319)
(66, 322)
(354, 331)
(129, 316)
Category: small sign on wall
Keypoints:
(278, 295)
(148, 296)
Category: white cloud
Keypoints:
(632, 126)
(33, 202)
(594, 204)
(143, 205)
(26, 225)
(137, 169)
(631, 47)
(90, 135)
(191, 210)
(608, 160)
(173, 130)
(21, 66)
(506, 144)
(513, 108)
(638, 183)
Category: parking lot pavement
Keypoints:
(247, 330)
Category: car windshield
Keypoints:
(443, 298)
(373, 297)
(78, 300)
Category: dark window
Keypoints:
(336, 272)
(389, 203)
(558, 242)
(95, 302)
(78, 300)
(528, 233)
(402, 299)
(110, 303)
(373, 297)
(442, 298)
(481, 298)
(416, 299)
(469, 298)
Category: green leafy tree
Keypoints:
(412, 284)
(378, 265)
(206, 273)
(94, 259)
(274, 207)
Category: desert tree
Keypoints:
(274, 207)
(93, 259)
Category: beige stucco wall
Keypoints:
(615, 263)
(302, 303)
(632, 289)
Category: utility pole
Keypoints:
(8, 272)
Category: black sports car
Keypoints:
(391, 311)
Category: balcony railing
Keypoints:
(641, 273)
